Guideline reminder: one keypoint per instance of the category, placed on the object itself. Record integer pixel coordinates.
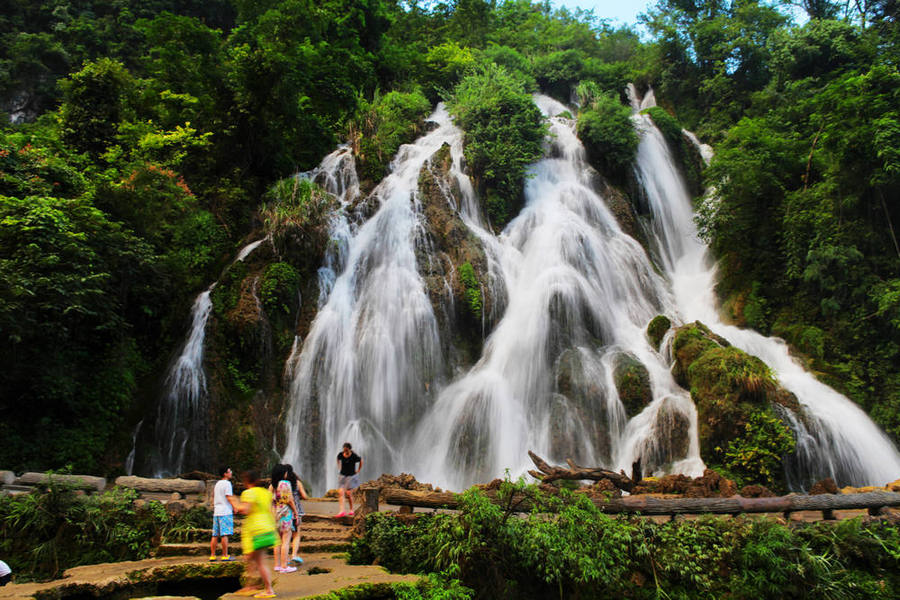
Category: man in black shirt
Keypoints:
(350, 464)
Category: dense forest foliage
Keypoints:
(141, 139)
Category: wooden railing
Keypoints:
(874, 502)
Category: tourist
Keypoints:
(298, 491)
(5, 573)
(350, 464)
(223, 515)
(285, 509)
(257, 532)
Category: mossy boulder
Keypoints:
(657, 329)
(632, 381)
(735, 394)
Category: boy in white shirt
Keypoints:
(223, 515)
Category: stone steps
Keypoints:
(319, 533)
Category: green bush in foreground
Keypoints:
(50, 530)
(567, 548)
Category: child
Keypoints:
(285, 509)
(223, 515)
(298, 491)
(258, 531)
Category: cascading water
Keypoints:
(372, 352)
(835, 437)
(184, 403)
(574, 295)
(580, 293)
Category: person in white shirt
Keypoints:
(223, 515)
(5, 573)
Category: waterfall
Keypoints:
(372, 352)
(183, 408)
(574, 296)
(184, 401)
(579, 293)
(838, 439)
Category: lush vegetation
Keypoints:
(47, 531)
(573, 550)
(149, 140)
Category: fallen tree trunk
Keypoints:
(547, 473)
(147, 484)
(873, 501)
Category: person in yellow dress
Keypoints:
(257, 531)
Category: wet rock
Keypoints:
(452, 262)
(579, 396)
(825, 486)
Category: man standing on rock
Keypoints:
(350, 464)
(223, 515)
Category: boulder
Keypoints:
(7, 477)
(632, 381)
(81, 482)
(657, 329)
(146, 484)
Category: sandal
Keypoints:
(264, 595)
(297, 560)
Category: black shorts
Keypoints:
(5, 579)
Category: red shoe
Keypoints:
(341, 514)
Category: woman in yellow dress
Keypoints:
(257, 531)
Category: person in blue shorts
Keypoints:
(223, 515)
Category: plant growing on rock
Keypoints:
(606, 130)
(504, 130)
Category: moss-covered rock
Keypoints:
(683, 150)
(657, 329)
(632, 381)
(452, 263)
(735, 394)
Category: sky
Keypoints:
(620, 12)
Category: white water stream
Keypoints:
(183, 407)
(576, 293)
(838, 439)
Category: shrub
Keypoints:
(382, 125)
(504, 130)
(608, 135)
(52, 529)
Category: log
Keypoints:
(146, 484)
(79, 482)
(404, 497)
(7, 477)
(674, 506)
(546, 473)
